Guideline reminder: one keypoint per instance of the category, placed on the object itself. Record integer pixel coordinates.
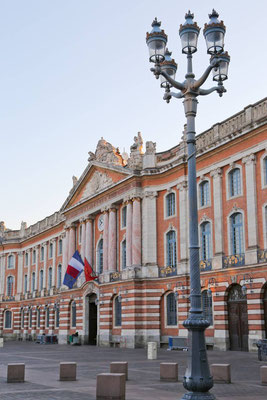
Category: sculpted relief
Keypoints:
(99, 181)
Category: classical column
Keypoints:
(218, 218)
(54, 262)
(36, 268)
(129, 216)
(136, 232)
(45, 264)
(89, 240)
(149, 229)
(2, 274)
(65, 258)
(72, 241)
(105, 242)
(29, 270)
(83, 241)
(252, 220)
(183, 226)
(112, 239)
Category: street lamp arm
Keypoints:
(168, 95)
(204, 92)
(175, 84)
(203, 78)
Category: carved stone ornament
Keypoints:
(106, 153)
(135, 160)
(150, 147)
(99, 181)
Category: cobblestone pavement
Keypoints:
(42, 373)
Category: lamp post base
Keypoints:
(198, 396)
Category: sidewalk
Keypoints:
(42, 373)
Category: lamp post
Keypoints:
(197, 379)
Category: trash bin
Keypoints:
(262, 349)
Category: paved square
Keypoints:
(42, 373)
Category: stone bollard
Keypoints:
(67, 371)
(152, 350)
(15, 372)
(221, 373)
(120, 367)
(110, 387)
(263, 370)
(1, 342)
(169, 372)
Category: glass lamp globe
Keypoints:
(214, 32)
(189, 32)
(156, 41)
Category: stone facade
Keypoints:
(129, 218)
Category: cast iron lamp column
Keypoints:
(197, 379)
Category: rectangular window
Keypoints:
(34, 257)
(42, 253)
(57, 316)
(50, 250)
(26, 259)
(123, 255)
(123, 217)
(38, 318)
(170, 204)
(8, 319)
(171, 310)
(60, 247)
(25, 283)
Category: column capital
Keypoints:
(73, 225)
(82, 220)
(216, 173)
(250, 159)
(182, 186)
(150, 194)
(90, 218)
(53, 240)
(113, 207)
(136, 198)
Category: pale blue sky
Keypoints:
(72, 71)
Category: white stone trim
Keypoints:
(227, 178)
(171, 227)
(203, 220)
(233, 211)
(169, 191)
(200, 181)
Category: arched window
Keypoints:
(237, 242)
(47, 317)
(170, 204)
(57, 315)
(42, 253)
(60, 247)
(59, 275)
(171, 308)
(10, 285)
(25, 283)
(100, 256)
(50, 250)
(30, 317)
(117, 311)
(204, 193)
(207, 306)
(34, 256)
(73, 314)
(41, 279)
(123, 253)
(50, 278)
(205, 232)
(123, 216)
(8, 319)
(234, 182)
(26, 259)
(33, 281)
(11, 261)
(171, 248)
(38, 317)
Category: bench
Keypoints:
(178, 343)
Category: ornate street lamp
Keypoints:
(197, 379)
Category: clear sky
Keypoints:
(72, 71)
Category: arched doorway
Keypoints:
(265, 309)
(237, 319)
(91, 319)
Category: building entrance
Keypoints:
(237, 319)
(265, 310)
(92, 319)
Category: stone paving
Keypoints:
(42, 373)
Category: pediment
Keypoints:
(93, 181)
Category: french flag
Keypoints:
(75, 268)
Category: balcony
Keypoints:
(262, 256)
(235, 260)
(205, 265)
(167, 271)
(8, 298)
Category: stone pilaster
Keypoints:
(37, 268)
(129, 215)
(65, 259)
(45, 264)
(2, 274)
(54, 262)
(183, 225)
(251, 197)
(149, 232)
(20, 273)
(218, 218)
(112, 240)
(105, 241)
(29, 270)
(89, 240)
(72, 241)
(136, 232)
(83, 241)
